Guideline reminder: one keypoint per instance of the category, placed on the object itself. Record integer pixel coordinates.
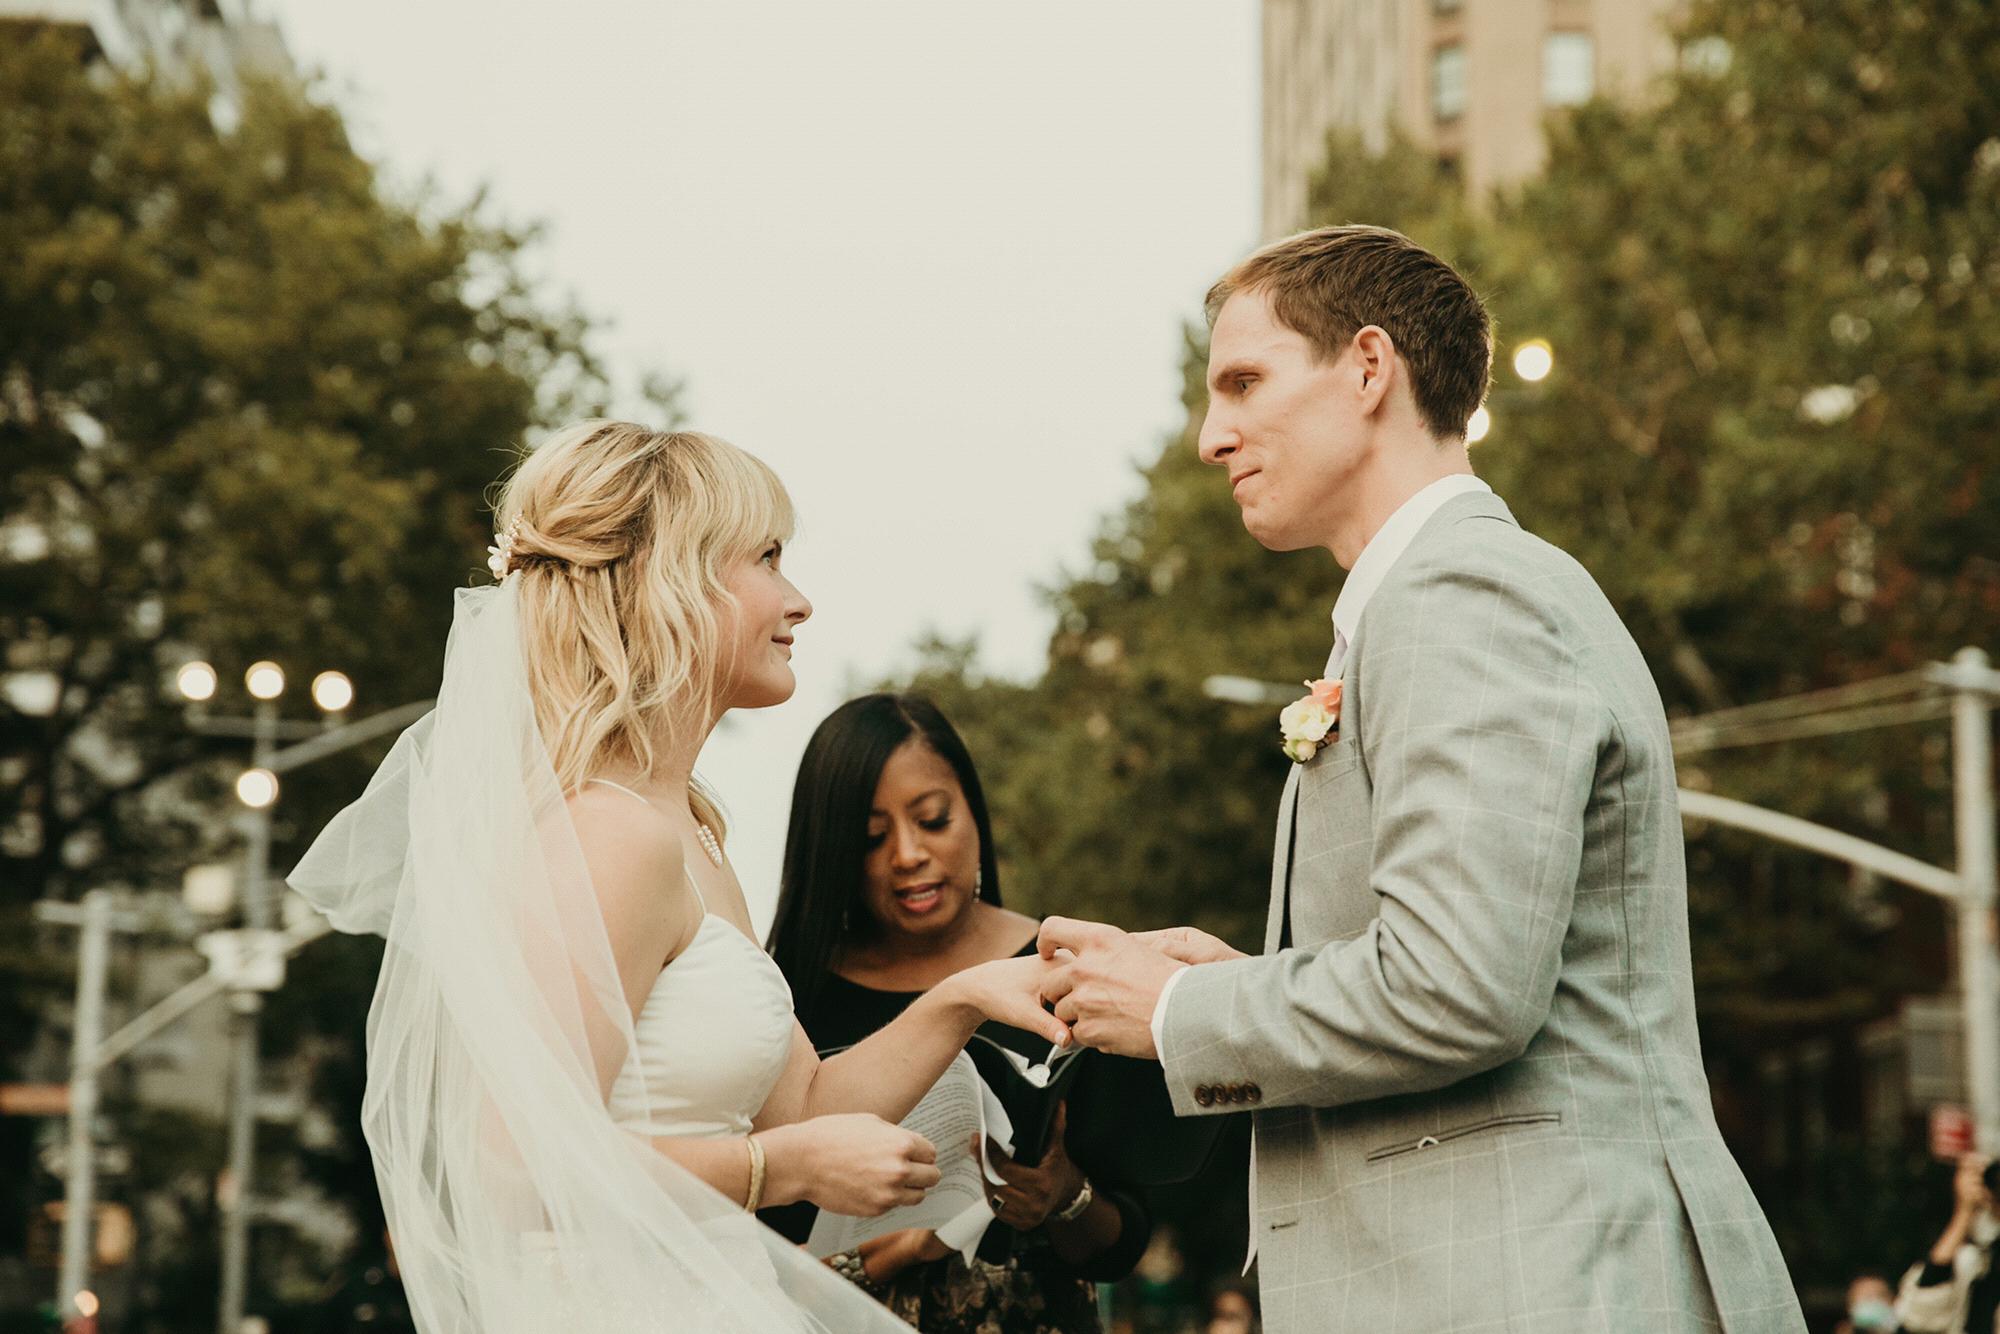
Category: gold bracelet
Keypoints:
(756, 1195)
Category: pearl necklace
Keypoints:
(708, 842)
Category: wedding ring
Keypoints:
(996, 1202)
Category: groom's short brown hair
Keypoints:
(1327, 285)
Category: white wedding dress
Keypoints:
(713, 1036)
(710, 1042)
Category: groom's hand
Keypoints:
(1189, 945)
(1105, 984)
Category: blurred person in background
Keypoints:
(891, 886)
(1871, 1306)
(1232, 1309)
(1954, 1290)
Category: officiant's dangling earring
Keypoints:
(979, 883)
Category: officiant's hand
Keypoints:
(1104, 984)
(1033, 1193)
(1189, 945)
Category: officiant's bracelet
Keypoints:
(1072, 1211)
(850, 1266)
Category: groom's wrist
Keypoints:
(1158, 1023)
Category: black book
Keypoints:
(1121, 1125)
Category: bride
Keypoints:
(583, 1074)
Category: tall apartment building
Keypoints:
(1470, 79)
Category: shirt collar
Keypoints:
(1384, 549)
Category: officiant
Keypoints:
(890, 885)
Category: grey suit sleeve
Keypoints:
(1480, 742)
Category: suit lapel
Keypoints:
(1277, 923)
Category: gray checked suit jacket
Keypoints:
(1479, 1097)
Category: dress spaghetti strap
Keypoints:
(651, 807)
(621, 788)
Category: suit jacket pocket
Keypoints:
(1334, 758)
(1488, 1126)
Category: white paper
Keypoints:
(956, 1208)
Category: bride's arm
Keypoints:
(895, 1066)
(650, 915)
(852, 1164)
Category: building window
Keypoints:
(1569, 74)
(1448, 83)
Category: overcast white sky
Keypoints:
(928, 259)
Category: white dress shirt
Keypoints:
(1371, 567)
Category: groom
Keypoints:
(1469, 1044)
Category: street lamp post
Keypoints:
(1978, 969)
(267, 683)
(257, 789)
(80, 1180)
(242, 964)
(95, 918)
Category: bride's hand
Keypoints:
(1009, 991)
(853, 1163)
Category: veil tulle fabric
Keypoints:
(514, 1201)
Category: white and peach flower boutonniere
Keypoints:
(1309, 723)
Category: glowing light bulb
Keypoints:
(257, 788)
(196, 681)
(1478, 428)
(265, 680)
(332, 691)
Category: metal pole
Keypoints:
(80, 1181)
(246, 1003)
(1979, 968)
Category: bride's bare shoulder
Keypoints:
(634, 856)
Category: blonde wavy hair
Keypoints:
(621, 536)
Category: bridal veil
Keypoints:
(514, 1201)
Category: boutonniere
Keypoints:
(1309, 723)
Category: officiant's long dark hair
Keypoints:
(820, 892)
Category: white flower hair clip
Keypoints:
(500, 556)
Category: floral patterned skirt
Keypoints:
(950, 1297)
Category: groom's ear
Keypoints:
(1374, 364)
(1375, 367)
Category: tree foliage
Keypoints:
(250, 406)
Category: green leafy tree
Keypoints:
(1773, 434)
(250, 407)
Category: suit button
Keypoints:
(1204, 1095)
(1251, 1093)
(1238, 1092)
